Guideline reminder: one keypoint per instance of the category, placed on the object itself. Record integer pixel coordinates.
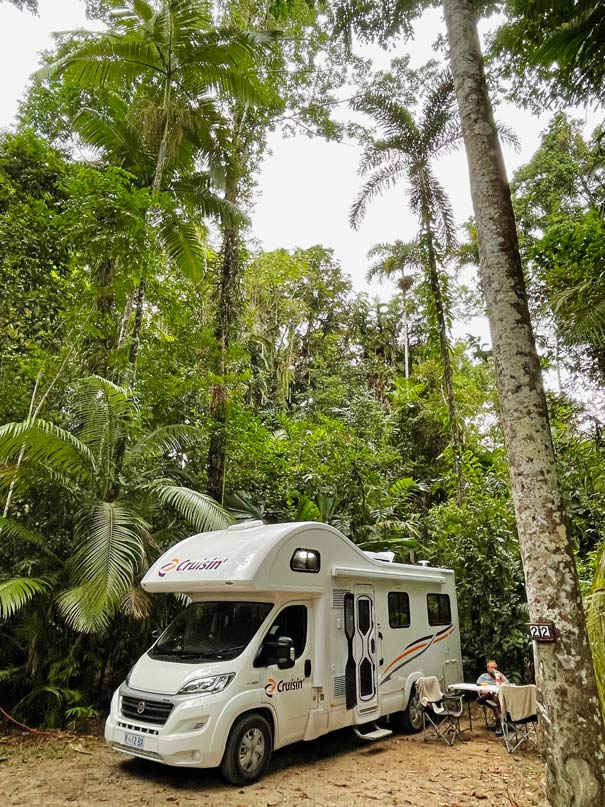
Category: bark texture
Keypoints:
(571, 720)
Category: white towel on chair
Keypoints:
(519, 702)
(428, 690)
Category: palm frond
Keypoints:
(111, 537)
(45, 444)
(185, 245)
(182, 21)
(106, 60)
(86, 609)
(103, 412)
(137, 603)
(18, 591)
(174, 439)
(395, 120)
(439, 114)
(143, 10)
(381, 152)
(508, 135)
(116, 139)
(395, 258)
(381, 180)
(200, 510)
(9, 528)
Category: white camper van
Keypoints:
(292, 632)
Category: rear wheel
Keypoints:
(248, 750)
(410, 720)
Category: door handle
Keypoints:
(308, 668)
(372, 646)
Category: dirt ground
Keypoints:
(335, 770)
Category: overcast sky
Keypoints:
(306, 186)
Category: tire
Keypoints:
(248, 750)
(410, 720)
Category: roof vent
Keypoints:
(246, 525)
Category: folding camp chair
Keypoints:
(518, 715)
(441, 713)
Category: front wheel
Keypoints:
(410, 720)
(248, 750)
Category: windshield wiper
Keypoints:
(229, 649)
(179, 653)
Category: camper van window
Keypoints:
(291, 622)
(439, 610)
(211, 630)
(399, 609)
(305, 560)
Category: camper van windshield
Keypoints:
(211, 630)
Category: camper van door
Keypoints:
(364, 649)
(289, 690)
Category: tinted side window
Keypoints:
(399, 609)
(292, 622)
(439, 610)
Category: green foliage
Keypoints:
(478, 541)
(553, 50)
(17, 592)
(558, 202)
(38, 284)
(115, 487)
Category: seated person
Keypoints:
(492, 676)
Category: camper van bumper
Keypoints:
(185, 739)
(194, 735)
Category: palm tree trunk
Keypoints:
(138, 325)
(444, 347)
(571, 719)
(100, 347)
(227, 304)
(227, 300)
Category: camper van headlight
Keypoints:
(203, 686)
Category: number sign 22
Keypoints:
(542, 632)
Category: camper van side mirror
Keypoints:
(285, 652)
(155, 634)
(276, 651)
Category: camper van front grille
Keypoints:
(338, 597)
(340, 686)
(146, 711)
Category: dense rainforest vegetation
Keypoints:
(161, 375)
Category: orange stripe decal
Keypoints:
(407, 653)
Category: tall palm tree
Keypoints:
(172, 62)
(173, 68)
(406, 152)
(117, 485)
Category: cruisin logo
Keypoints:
(273, 686)
(188, 565)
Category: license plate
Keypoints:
(134, 740)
